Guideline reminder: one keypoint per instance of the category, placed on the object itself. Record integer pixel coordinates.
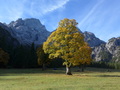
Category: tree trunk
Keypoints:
(68, 71)
(82, 68)
(43, 67)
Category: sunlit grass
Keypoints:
(35, 79)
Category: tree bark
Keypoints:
(43, 67)
(82, 68)
(68, 71)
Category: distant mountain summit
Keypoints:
(29, 31)
(107, 52)
(92, 40)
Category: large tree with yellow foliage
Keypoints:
(68, 43)
(4, 57)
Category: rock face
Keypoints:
(92, 40)
(101, 53)
(29, 31)
(108, 52)
(113, 47)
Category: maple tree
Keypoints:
(4, 57)
(68, 43)
(83, 57)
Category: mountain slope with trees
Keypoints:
(21, 38)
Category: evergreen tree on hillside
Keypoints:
(33, 57)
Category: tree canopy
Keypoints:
(42, 57)
(68, 43)
(4, 57)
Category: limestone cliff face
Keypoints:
(113, 47)
(108, 52)
(29, 31)
(92, 40)
(101, 53)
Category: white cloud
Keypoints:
(100, 20)
(11, 10)
(59, 4)
(87, 17)
(42, 7)
(14, 9)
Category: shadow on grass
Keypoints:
(93, 70)
(12, 72)
(108, 75)
(15, 72)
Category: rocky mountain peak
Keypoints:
(108, 52)
(29, 31)
(114, 41)
(113, 45)
(30, 23)
(16, 23)
(92, 40)
(89, 34)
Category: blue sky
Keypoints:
(102, 17)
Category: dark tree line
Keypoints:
(23, 57)
(26, 56)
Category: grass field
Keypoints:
(36, 79)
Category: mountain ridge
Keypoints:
(31, 30)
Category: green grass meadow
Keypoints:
(36, 79)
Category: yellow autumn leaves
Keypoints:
(68, 43)
(4, 57)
